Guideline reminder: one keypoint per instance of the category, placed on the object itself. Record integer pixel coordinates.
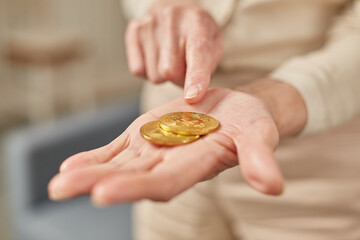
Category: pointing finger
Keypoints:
(199, 61)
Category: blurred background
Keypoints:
(64, 88)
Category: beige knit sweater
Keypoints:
(314, 45)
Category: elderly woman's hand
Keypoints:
(177, 41)
(130, 168)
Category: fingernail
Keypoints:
(53, 190)
(98, 198)
(63, 166)
(54, 196)
(192, 92)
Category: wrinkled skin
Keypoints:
(130, 168)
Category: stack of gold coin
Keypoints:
(178, 128)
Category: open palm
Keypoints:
(130, 168)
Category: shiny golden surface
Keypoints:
(152, 132)
(188, 123)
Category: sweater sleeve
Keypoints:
(329, 78)
(221, 11)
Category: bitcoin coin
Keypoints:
(188, 123)
(152, 132)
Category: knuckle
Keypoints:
(202, 44)
(203, 21)
(133, 25)
(137, 70)
(200, 15)
(169, 72)
(198, 12)
(147, 27)
(170, 11)
(149, 21)
(156, 79)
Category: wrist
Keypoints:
(283, 101)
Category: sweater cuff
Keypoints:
(309, 89)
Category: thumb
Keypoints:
(199, 61)
(256, 157)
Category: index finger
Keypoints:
(199, 61)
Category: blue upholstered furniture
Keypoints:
(34, 154)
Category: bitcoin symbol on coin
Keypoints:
(189, 121)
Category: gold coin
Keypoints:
(188, 123)
(152, 132)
